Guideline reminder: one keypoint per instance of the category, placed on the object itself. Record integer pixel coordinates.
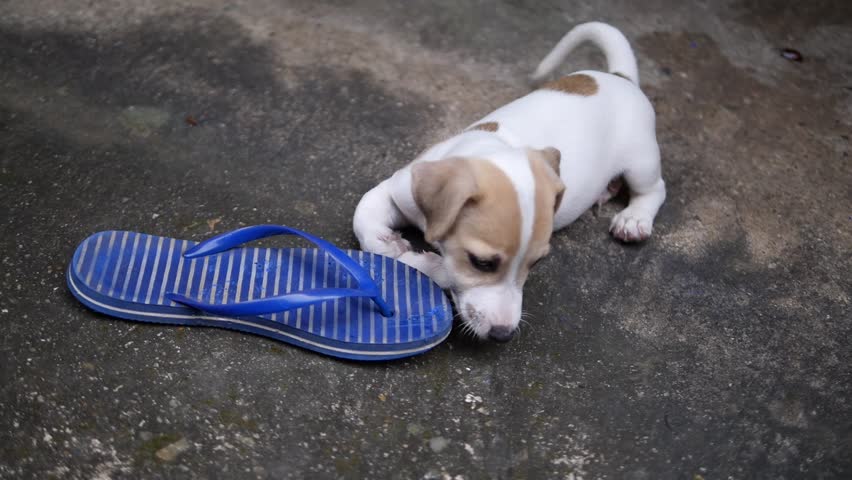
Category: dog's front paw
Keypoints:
(395, 244)
(631, 226)
(430, 264)
(389, 244)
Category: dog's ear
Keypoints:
(441, 188)
(551, 157)
(560, 192)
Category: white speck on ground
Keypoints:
(170, 452)
(473, 400)
(438, 444)
(469, 449)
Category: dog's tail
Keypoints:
(617, 49)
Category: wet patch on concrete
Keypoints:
(94, 136)
(499, 34)
(742, 251)
(130, 95)
(719, 130)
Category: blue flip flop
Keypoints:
(348, 304)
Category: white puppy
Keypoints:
(489, 198)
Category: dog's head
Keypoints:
(491, 218)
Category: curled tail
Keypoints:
(615, 46)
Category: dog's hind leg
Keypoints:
(647, 193)
(612, 189)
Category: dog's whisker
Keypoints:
(525, 316)
(469, 330)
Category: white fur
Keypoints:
(600, 137)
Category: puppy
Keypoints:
(489, 198)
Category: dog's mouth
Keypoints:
(472, 320)
(474, 323)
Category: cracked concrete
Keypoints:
(719, 349)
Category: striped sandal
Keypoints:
(348, 304)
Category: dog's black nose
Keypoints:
(501, 334)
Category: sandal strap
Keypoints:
(366, 286)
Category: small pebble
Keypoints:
(792, 55)
(170, 452)
(438, 443)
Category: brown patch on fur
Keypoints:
(548, 194)
(486, 126)
(619, 74)
(495, 215)
(579, 84)
(480, 205)
(441, 189)
(553, 157)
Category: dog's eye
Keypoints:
(487, 265)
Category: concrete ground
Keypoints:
(719, 349)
